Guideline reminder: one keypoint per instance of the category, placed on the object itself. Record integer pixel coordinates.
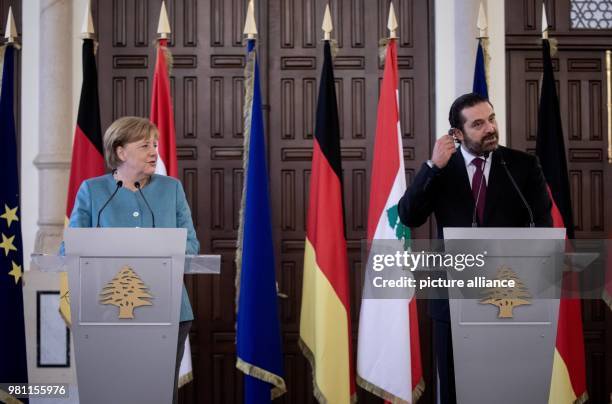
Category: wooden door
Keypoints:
(207, 87)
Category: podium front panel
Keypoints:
(100, 279)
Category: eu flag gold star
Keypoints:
(7, 244)
(10, 215)
(16, 272)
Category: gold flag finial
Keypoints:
(392, 22)
(87, 28)
(544, 22)
(482, 24)
(250, 28)
(327, 26)
(163, 27)
(11, 29)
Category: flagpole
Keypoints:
(11, 30)
(482, 24)
(250, 28)
(87, 28)
(392, 24)
(481, 68)
(163, 26)
(544, 22)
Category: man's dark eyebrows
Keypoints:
(477, 121)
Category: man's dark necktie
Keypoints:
(479, 185)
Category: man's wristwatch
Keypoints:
(433, 166)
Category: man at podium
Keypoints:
(475, 184)
(132, 195)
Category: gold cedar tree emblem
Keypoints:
(126, 291)
(506, 299)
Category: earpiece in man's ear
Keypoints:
(453, 133)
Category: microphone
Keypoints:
(137, 185)
(518, 190)
(486, 156)
(119, 185)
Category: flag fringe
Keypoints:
(2, 49)
(167, 56)
(584, 397)
(318, 394)
(607, 298)
(249, 80)
(184, 379)
(554, 46)
(64, 301)
(385, 395)
(279, 384)
(418, 390)
(484, 42)
(8, 399)
(333, 47)
(382, 50)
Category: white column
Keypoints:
(455, 43)
(55, 124)
(30, 67)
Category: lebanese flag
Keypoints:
(87, 152)
(388, 355)
(162, 113)
(568, 384)
(325, 320)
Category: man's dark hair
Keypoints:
(455, 115)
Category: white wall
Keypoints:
(455, 53)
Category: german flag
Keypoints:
(87, 152)
(568, 383)
(325, 321)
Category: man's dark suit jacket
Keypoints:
(447, 194)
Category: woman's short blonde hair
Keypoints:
(127, 129)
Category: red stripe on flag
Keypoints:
(569, 329)
(569, 343)
(415, 347)
(162, 113)
(325, 231)
(385, 165)
(554, 211)
(87, 162)
(325, 223)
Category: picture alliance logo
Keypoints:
(410, 261)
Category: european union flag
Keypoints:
(258, 340)
(13, 366)
(480, 75)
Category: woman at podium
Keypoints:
(132, 195)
